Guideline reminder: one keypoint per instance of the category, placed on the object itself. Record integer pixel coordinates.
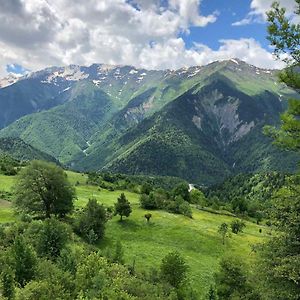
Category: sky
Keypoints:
(152, 34)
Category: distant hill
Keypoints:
(16, 149)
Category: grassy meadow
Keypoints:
(145, 244)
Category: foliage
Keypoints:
(144, 245)
(223, 230)
(8, 165)
(52, 238)
(160, 199)
(24, 261)
(237, 226)
(182, 190)
(212, 294)
(280, 257)
(122, 207)
(232, 282)
(174, 269)
(284, 36)
(91, 221)
(7, 284)
(118, 256)
(17, 151)
(148, 216)
(44, 188)
(148, 201)
(198, 197)
(246, 194)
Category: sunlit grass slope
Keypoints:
(145, 244)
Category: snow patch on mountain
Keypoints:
(9, 80)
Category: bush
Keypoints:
(91, 221)
(148, 201)
(237, 226)
(52, 238)
(174, 269)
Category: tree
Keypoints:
(174, 269)
(118, 256)
(182, 190)
(92, 221)
(231, 281)
(24, 261)
(43, 187)
(223, 230)
(198, 197)
(284, 36)
(148, 217)
(237, 226)
(52, 238)
(212, 294)
(280, 257)
(146, 188)
(148, 201)
(122, 207)
(8, 284)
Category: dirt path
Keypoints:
(5, 203)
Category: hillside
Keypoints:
(17, 149)
(145, 244)
(198, 123)
(202, 136)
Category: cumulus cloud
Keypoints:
(143, 33)
(167, 55)
(258, 9)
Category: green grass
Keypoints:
(196, 239)
(7, 182)
(6, 212)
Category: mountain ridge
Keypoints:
(85, 122)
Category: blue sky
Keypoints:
(152, 34)
(230, 11)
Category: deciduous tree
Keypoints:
(44, 188)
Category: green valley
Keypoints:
(145, 245)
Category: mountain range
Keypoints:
(202, 123)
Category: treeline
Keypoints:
(246, 194)
(8, 165)
(165, 193)
(115, 181)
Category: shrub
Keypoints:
(174, 269)
(237, 226)
(91, 221)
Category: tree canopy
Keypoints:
(43, 188)
(284, 35)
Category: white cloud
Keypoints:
(258, 9)
(144, 33)
(173, 54)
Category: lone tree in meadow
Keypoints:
(122, 207)
(43, 188)
(148, 216)
(223, 230)
(237, 226)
